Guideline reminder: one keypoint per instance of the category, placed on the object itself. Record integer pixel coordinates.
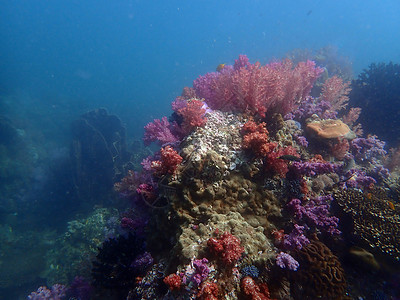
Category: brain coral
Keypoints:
(320, 275)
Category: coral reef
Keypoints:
(256, 175)
(193, 240)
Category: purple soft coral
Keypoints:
(309, 168)
(367, 149)
(201, 270)
(296, 239)
(161, 131)
(286, 261)
(316, 212)
(57, 292)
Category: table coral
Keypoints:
(330, 129)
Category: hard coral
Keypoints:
(330, 129)
(226, 247)
(320, 275)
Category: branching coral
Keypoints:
(374, 218)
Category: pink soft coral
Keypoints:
(336, 92)
(257, 89)
(161, 131)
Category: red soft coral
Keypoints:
(193, 115)
(226, 247)
(254, 291)
(255, 138)
(170, 159)
(275, 165)
(173, 281)
(208, 291)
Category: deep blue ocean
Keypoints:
(60, 60)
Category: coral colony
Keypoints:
(260, 179)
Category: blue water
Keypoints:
(135, 56)
(60, 59)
